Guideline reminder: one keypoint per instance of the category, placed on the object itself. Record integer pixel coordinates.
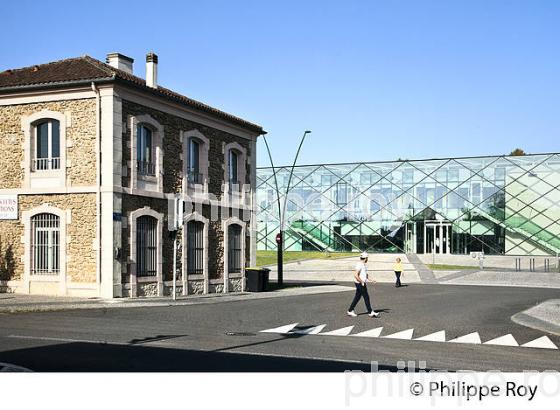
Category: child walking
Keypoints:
(398, 268)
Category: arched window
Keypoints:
(146, 246)
(145, 151)
(233, 162)
(46, 145)
(194, 175)
(195, 248)
(45, 244)
(234, 249)
(235, 172)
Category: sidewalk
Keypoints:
(502, 278)
(415, 271)
(13, 302)
(342, 270)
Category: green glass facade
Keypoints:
(501, 205)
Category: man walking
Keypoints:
(360, 279)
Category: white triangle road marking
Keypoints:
(405, 334)
(507, 340)
(434, 337)
(473, 338)
(370, 333)
(281, 329)
(541, 343)
(345, 331)
(309, 331)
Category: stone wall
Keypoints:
(11, 250)
(82, 132)
(172, 147)
(131, 203)
(81, 232)
(235, 284)
(172, 182)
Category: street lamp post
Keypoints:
(282, 210)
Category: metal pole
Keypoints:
(176, 216)
(174, 266)
(178, 222)
(282, 211)
(290, 177)
(283, 218)
(279, 245)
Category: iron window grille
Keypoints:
(195, 248)
(234, 249)
(146, 246)
(45, 244)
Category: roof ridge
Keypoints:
(206, 106)
(87, 68)
(96, 63)
(44, 64)
(117, 72)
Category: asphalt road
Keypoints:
(225, 336)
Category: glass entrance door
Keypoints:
(410, 237)
(437, 237)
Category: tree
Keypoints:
(518, 152)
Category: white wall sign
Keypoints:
(8, 207)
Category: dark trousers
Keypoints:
(361, 292)
(398, 275)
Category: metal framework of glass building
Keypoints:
(501, 205)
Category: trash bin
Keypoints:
(257, 279)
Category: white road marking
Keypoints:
(345, 331)
(281, 329)
(507, 340)
(57, 339)
(541, 343)
(473, 338)
(405, 334)
(370, 333)
(310, 331)
(434, 337)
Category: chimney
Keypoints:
(120, 61)
(151, 69)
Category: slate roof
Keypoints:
(83, 70)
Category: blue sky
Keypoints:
(373, 80)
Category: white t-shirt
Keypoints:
(363, 271)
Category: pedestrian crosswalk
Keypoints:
(542, 342)
(434, 337)
(471, 338)
(405, 334)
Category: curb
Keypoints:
(529, 320)
(201, 300)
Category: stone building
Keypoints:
(95, 161)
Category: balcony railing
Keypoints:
(195, 178)
(146, 168)
(43, 164)
(233, 185)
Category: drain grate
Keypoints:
(240, 334)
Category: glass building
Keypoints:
(502, 205)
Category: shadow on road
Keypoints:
(94, 357)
